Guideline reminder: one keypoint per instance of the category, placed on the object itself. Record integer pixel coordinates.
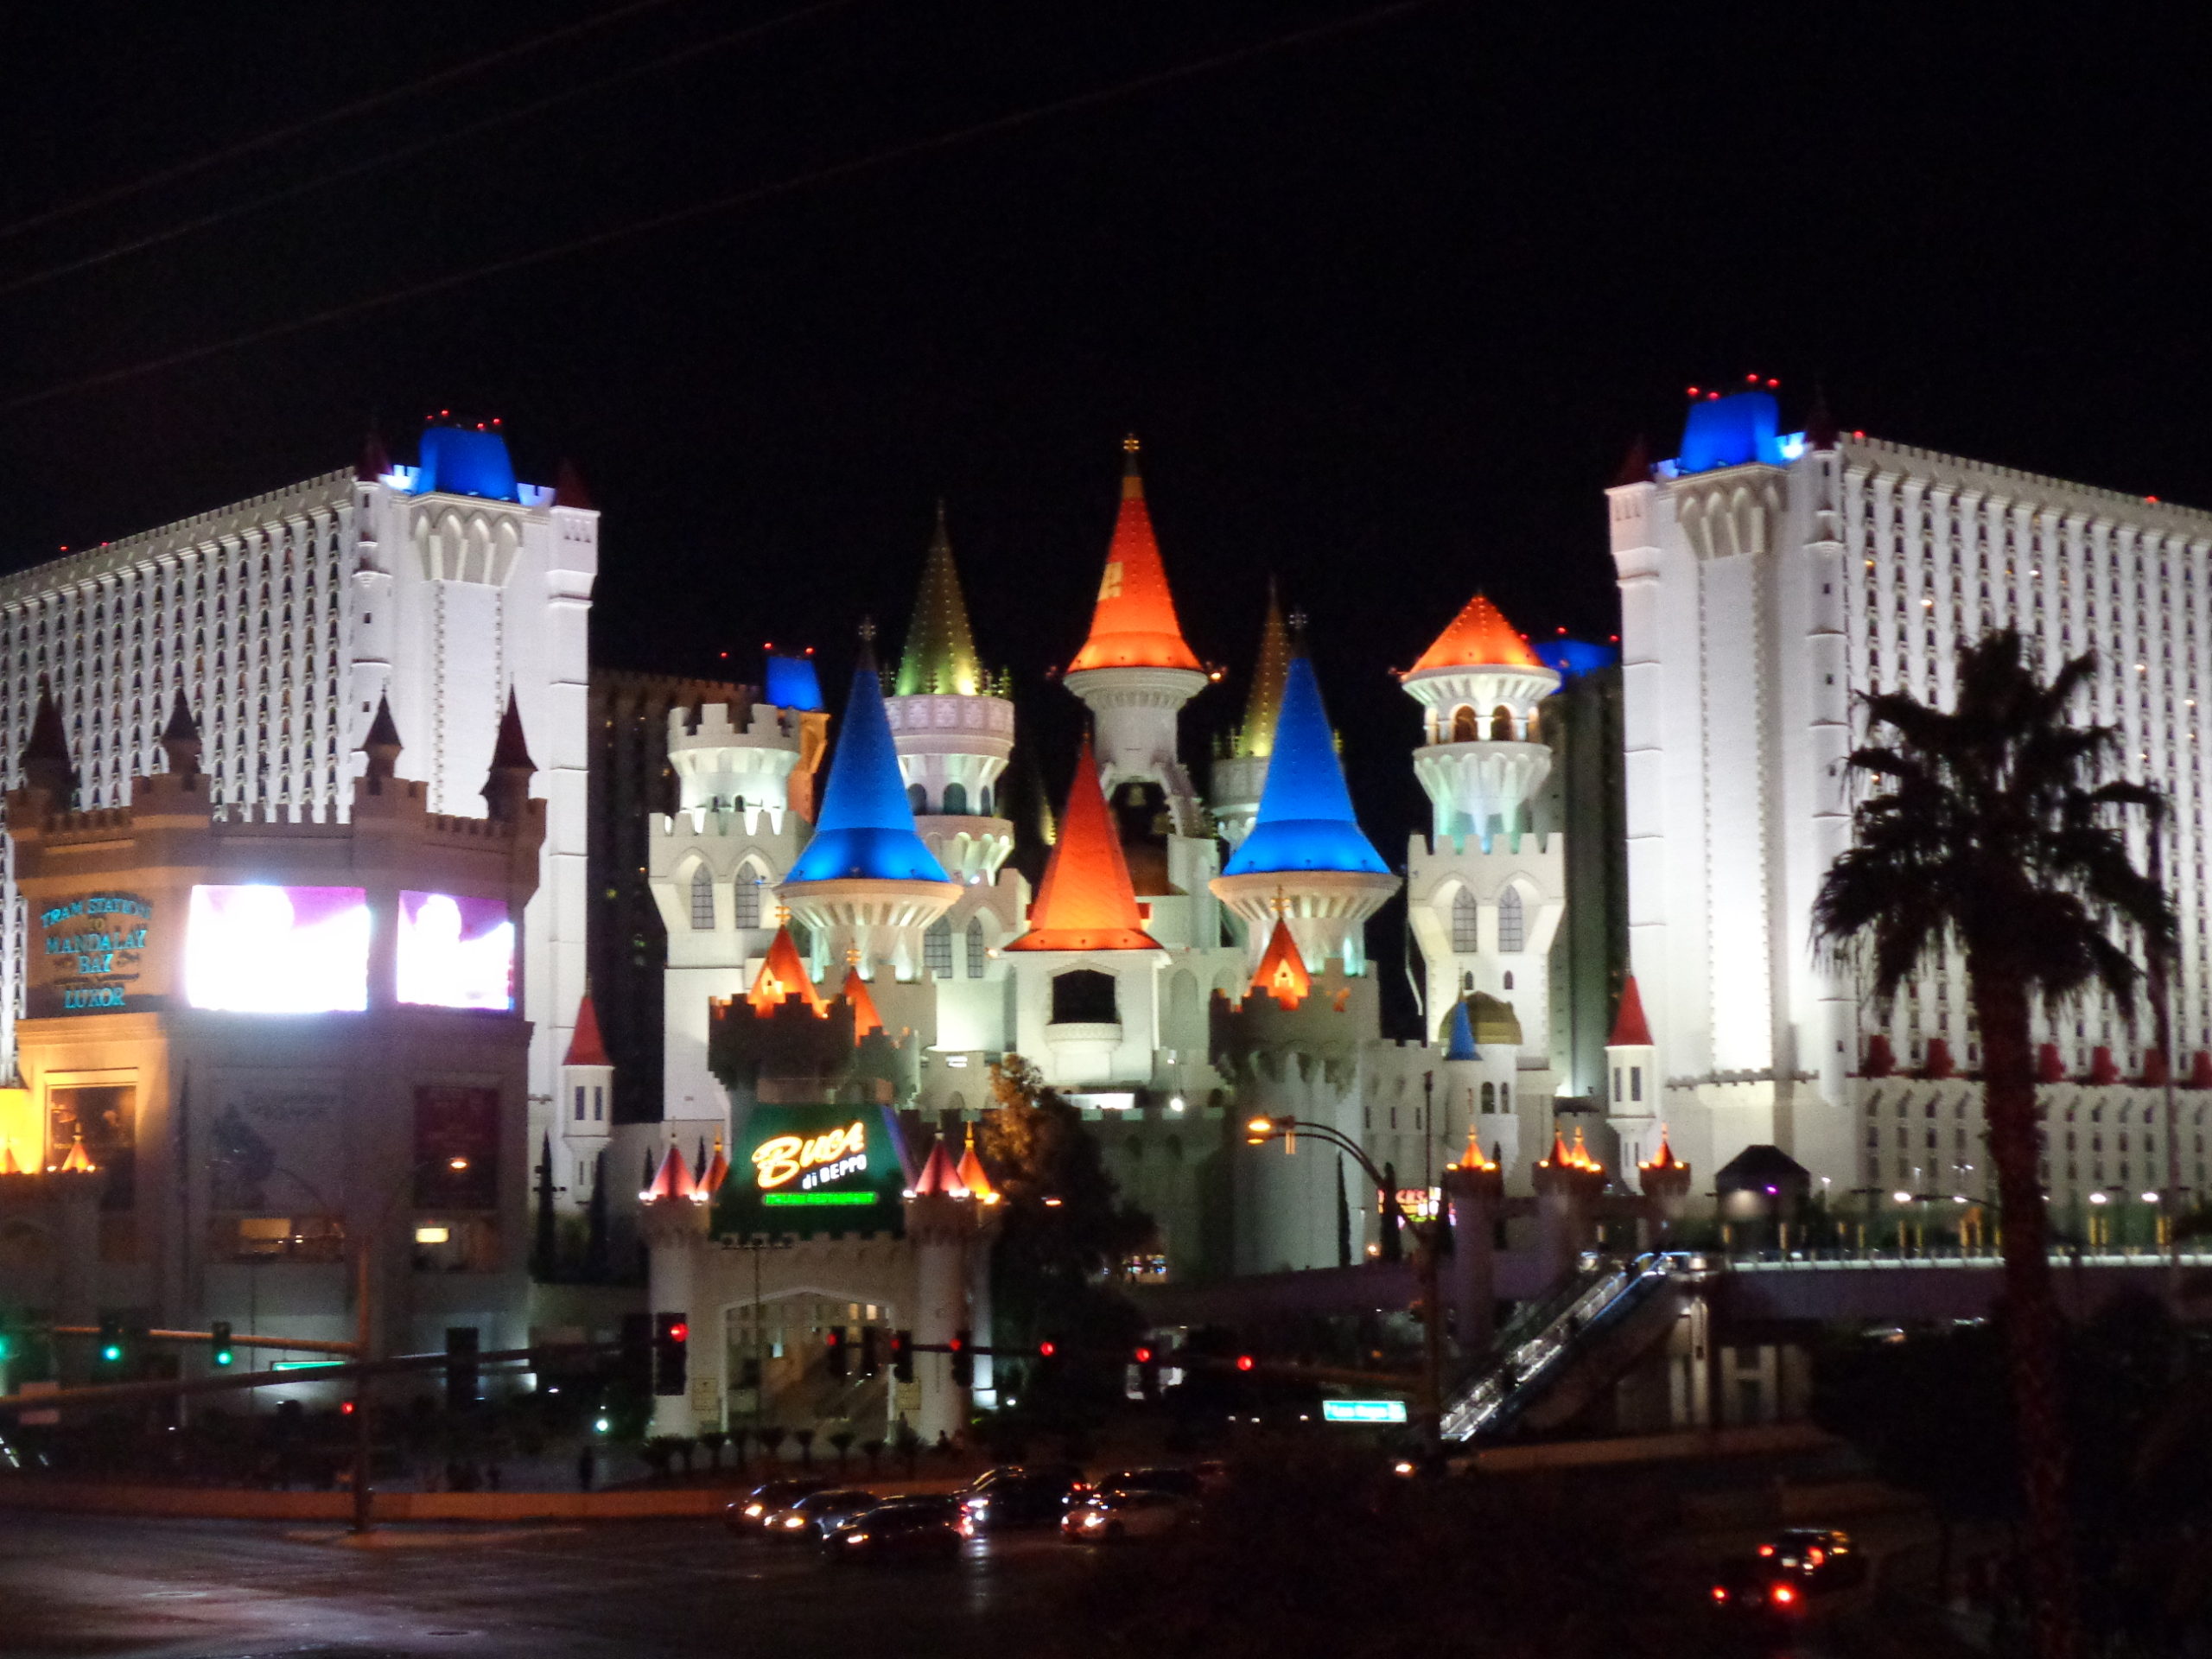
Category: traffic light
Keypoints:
(111, 1345)
(1244, 1362)
(462, 1346)
(344, 1407)
(219, 1354)
(833, 1346)
(902, 1356)
(1048, 1350)
(672, 1354)
(962, 1354)
(1148, 1373)
(871, 1359)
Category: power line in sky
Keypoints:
(275, 135)
(835, 171)
(404, 152)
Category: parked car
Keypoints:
(904, 1529)
(750, 1513)
(1016, 1495)
(1822, 1557)
(809, 1519)
(1113, 1517)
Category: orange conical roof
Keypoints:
(716, 1171)
(586, 1047)
(672, 1179)
(1281, 973)
(1085, 901)
(79, 1160)
(8, 1164)
(1664, 1158)
(1134, 625)
(784, 976)
(1473, 1158)
(971, 1172)
(1479, 637)
(865, 1017)
(1560, 1157)
(1630, 1028)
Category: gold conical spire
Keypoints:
(1256, 738)
(940, 654)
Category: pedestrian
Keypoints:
(587, 1466)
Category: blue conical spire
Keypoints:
(1305, 819)
(1461, 1033)
(867, 828)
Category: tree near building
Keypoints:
(1064, 1229)
(1990, 830)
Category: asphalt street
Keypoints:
(201, 1590)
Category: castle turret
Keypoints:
(1087, 972)
(506, 782)
(1484, 896)
(1240, 775)
(1135, 670)
(585, 1106)
(865, 881)
(1305, 857)
(953, 736)
(1632, 1083)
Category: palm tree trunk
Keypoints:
(2030, 1301)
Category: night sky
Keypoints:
(1386, 304)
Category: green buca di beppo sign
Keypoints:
(813, 1169)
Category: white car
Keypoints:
(1116, 1517)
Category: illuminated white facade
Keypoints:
(1767, 581)
(283, 617)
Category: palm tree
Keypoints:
(1988, 831)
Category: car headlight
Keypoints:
(795, 1522)
(753, 1512)
(856, 1537)
(1093, 1520)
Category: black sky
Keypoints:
(1386, 308)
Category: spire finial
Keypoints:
(867, 630)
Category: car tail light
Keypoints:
(1784, 1594)
(1766, 1549)
(1720, 1592)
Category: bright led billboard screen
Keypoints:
(271, 950)
(457, 952)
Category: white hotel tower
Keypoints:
(1768, 580)
(283, 618)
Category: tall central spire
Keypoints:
(1306, 820)
(1256, 738)
(940, 650)
(1134, 623)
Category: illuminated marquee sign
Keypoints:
(797, 1169)
(94, 947)
(827, 1169)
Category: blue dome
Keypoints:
(1306, 820)
(865, 828)
(457, 461)
(792, 683)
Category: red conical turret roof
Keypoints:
(586, 1047)
(1085, 901)
(1630, 1028)
(1479, 637)
(782, 975)
(716, 1171)
(1282, 972)
(940, 1179)
(865, 1017)
(1134, 625)
(971, 1172)
(672, 1179)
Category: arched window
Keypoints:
(703, 901)
(1464, 727)
(1504, 1097)
(1501, 724)
(989, 806)
(956, 800)
(1509, 982)
(918, 799)
(1084, 996)
(1489, 1098)
(936, 948)
(977, 955)
(1464, 912)
(1512, 931)
(748, 896)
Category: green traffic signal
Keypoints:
(112, 1352)
(220, 1336)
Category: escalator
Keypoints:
(1557, 1353)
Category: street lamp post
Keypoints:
(1427, 1236)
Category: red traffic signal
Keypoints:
(346, 1408)
(1046, 1350)
(1144, 1356)
(679, 1331)
(1244, 1362)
